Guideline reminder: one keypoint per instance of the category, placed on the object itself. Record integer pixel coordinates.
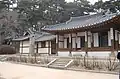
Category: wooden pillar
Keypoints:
(112, 42)
(22, 48)
(76, 41)
(31, 48)
(116, 40)
(70, 44)
(57, 43)
(37, 48)
(49, 47)
(86, 43)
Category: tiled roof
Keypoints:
(41, 36)
(21, 38)
(45, 37)
(82, 21)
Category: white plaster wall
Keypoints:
(26, 50)
(65, 43)
(50, 43)
(78, 53)
(43, 50)
(78, 42)
(61, 38)
(96, 40)
(26, 43)
(73, 43)
(39, 44)
(73, 35)
(99, 54)
(20, 43)
(89, 41)
(109, 39)
(20, 50)
(47, 44)
(63, 53)
(81, 34)
(60, 44)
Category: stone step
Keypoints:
(58, 67)
(60, 62)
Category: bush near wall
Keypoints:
(6, 49)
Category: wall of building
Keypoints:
(46, 49)
(24, 46)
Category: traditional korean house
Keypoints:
(91, 35)
(44, 43)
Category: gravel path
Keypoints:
(16, 71)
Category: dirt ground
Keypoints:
(17, 71)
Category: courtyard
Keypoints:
(17, 71)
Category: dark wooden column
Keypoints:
(37, 47)
(57, 43)
(116, 40)
(70, 44)
(76, 41)
(22, 48)
(49, 47)
(112, 34)
(86, 43)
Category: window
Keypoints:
(43, 44)
(103, 39)
(82, 38)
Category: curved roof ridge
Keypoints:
(83, 17)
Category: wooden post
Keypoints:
(57, 43)
(116, 40)
(31, 48)
(49, 48)
(76, 41)
(70, 44)
(86, 43)
(112, 41)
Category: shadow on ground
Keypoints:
(2, 77)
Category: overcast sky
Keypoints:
(91, 1)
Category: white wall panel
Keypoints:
(99, 54)
(43, 50)
(61, 38)
(63, 53)
(109, 39)
(26, 43)
(73, 43)
(96, 40)
(39, 44)
(65, 43)
(61, 44)
(89, 41)
(47, 44)
(78, 42)
(81, 34)
(26, 50)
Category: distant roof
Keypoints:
(41, 36)
(21, 38)
(45, 37)
(81, 22)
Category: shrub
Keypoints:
(6, 49)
